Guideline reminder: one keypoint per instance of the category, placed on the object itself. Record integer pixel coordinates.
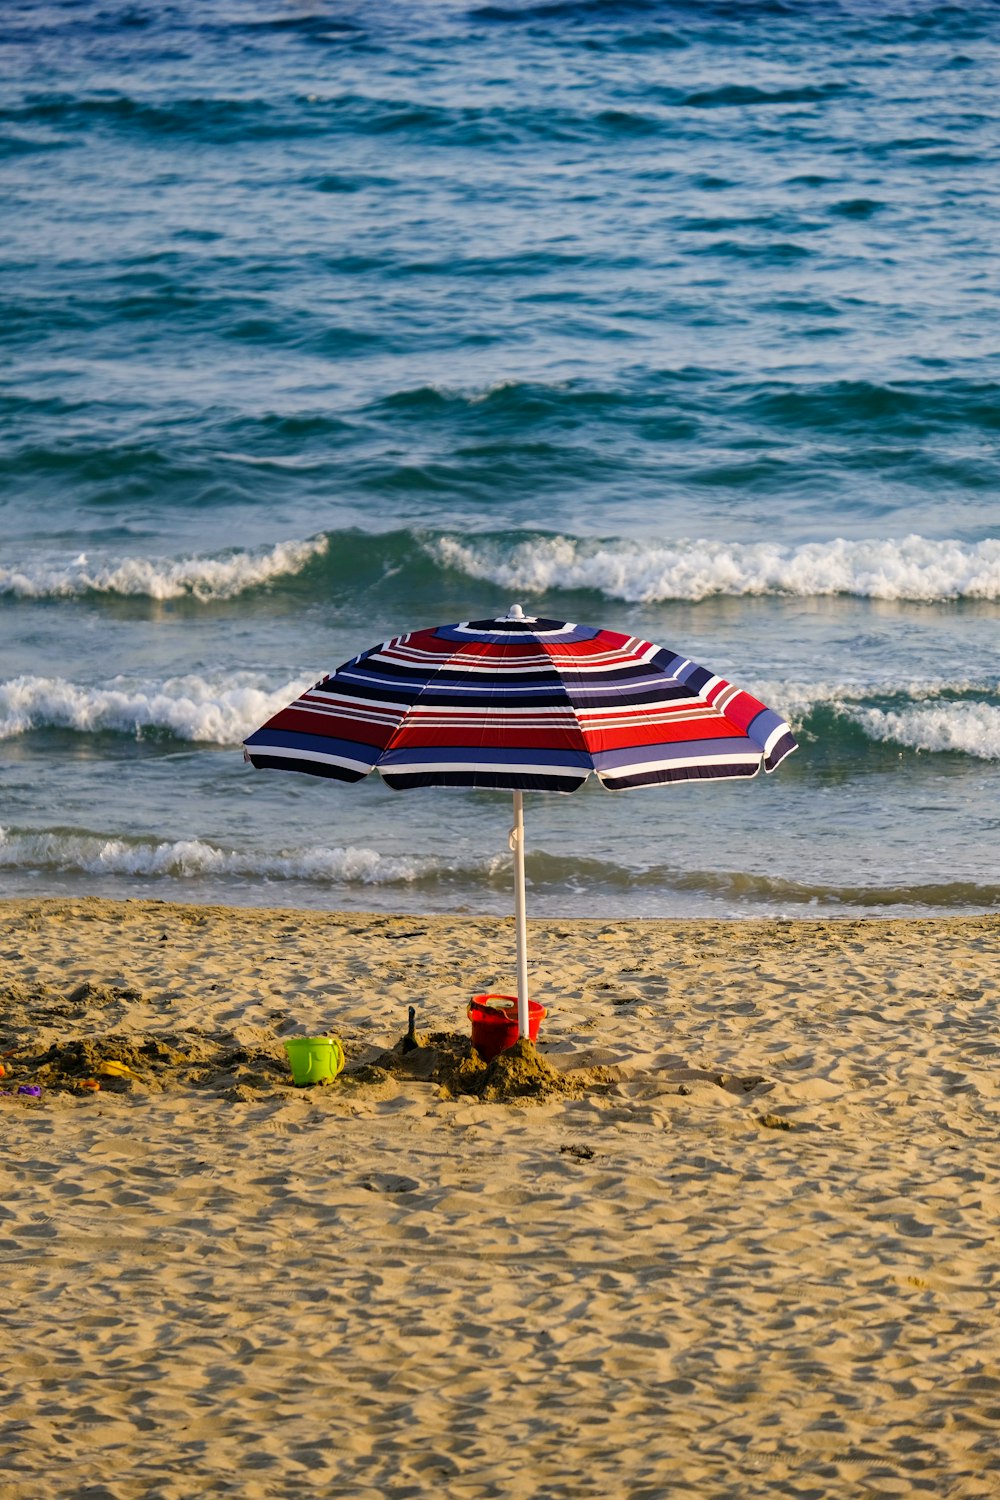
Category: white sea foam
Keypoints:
(218, 711)
(912, 568)
(92, 854)
(938, 716)
(964, 728)
(204, 578)
(795, 701)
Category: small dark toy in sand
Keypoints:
(409, 1042)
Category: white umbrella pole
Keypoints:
(520, 916)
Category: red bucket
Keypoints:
(494, 1023)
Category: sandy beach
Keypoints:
(750, 1250)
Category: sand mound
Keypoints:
(126, 1063)
(449, 1059)
(135, 1062)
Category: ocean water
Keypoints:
(322, 321)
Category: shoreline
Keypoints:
(763, 1248)
(897, 904)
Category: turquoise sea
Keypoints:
(321, 321)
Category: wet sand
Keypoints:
(750, 1250)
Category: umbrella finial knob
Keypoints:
(515, 612)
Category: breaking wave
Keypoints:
(92, 854)
(912, 568)
(222, 576)
(219, 711)
(961, 728)
(70, 852)
(634, 570)
(923, 715)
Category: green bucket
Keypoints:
(314, 1059)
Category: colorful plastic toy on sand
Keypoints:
(32, 1090)
(495, 1026)
(112, 1069)
(314, 1059)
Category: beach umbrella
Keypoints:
(522, 704)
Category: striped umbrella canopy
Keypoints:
(522, 704)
